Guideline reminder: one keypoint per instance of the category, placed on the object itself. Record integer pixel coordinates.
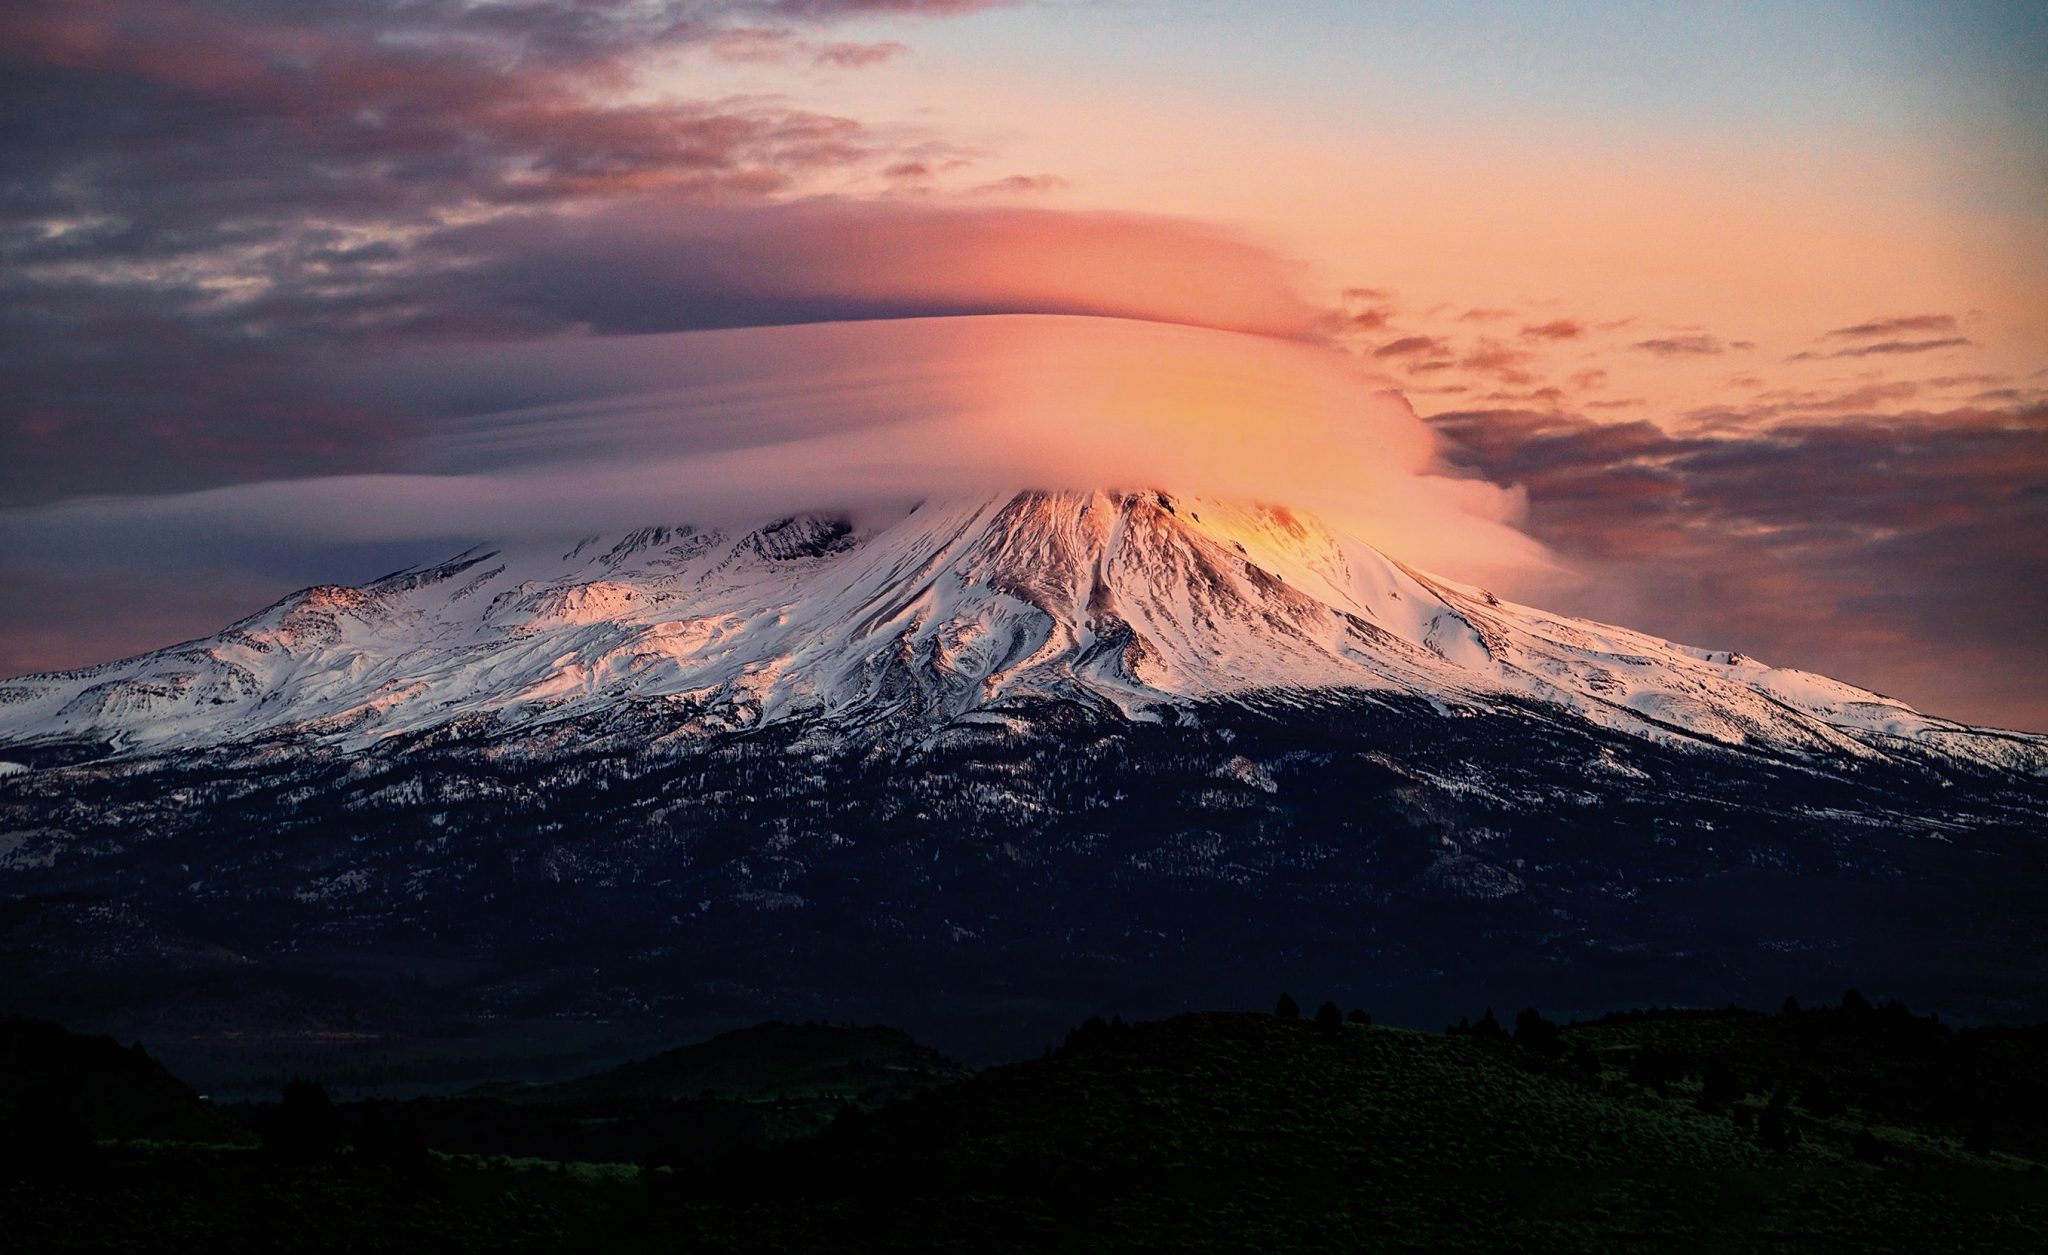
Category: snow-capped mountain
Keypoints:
(1053, 754)
(1137, 603)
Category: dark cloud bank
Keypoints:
(205, 208)
(1901, 553)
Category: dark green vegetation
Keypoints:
(1850, 1128)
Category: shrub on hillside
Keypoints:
(1720, 1085)
(1537, 1035)
(304, 1126)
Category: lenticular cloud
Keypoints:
(730, 425)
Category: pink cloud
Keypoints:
(1020, 185)
(1499, 361)
(849, 56)
(646, 267)
(1877, 327)
(1693, 344)
(1411, 346)
(1886, 348)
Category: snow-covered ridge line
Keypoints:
(1127, 601)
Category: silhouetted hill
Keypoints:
(693, 1106)
(1220, 1132)
(855, 1063)
(59, 1088)
(1852, 1128)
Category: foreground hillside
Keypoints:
(1851, 1129)
(1229, 1132)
